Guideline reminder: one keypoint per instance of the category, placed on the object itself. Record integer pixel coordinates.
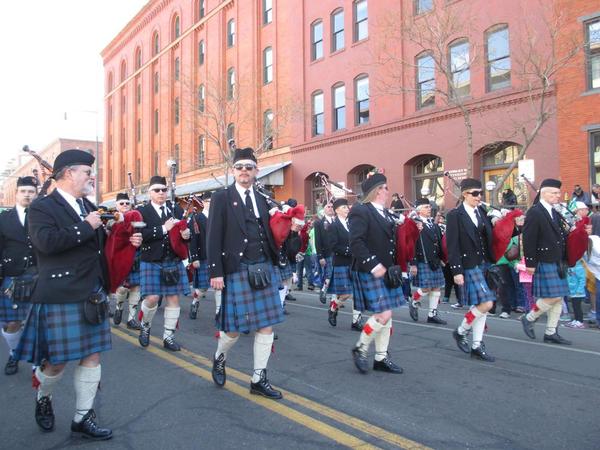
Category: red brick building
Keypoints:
(310, 75)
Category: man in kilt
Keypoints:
(66, 323)
(130, 290)
(241, 258)
(376, 279)
(469, 238)
(287, 254)
(323, 247)
(544, 246)
(341, 280)
(16, 257)
(198, 227)
(162, 271)
(426, 268)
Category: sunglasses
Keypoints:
(248, 167)
(123, 203)
(157, 190)
(475, 193)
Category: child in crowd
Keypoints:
(576, 277)
(526, 281)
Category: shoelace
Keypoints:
(45, 405)
(220, 362)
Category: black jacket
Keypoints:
(322, 239)
(465, 248)
(340, 244)
(227, 238)
(198, 240)
(372, 238)
(16, 251)
(153, 239)
(543, 239)
(70, 253)
(290, 248)
(429, 245)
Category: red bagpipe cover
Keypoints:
(407, 234)
(304, 237)
(281, 223)
(120, 254)
(444, 249)
(577, 242)
(178, 244)
(503, 232)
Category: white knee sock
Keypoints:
(382, 341)
(218, 298)
(148, 313)
(262, 350)
(171, 319)
(282, 296)
(469, 319)
(434, 301)
(121, 296)
(12, 339)
(356, 315)
(540, 308)
(86, 382)
(553, 318)
(225, 343)
(478, 329)
(134, 299)
(47, 383)
(368, 333)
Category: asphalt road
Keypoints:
(535, 396)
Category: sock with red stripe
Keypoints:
(467, 322)
(538, 309)
(382, 341)
(368, 333)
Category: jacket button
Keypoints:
(241, 254)
(53, 276)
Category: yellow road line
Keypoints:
(317, 426)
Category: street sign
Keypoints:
(527, 168)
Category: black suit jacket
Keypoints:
(543, 239)
(428, 246)
(153, 239)
(464, 248)
(322, 239)
(16, 251)
(227, 237)
(198, 240)
(340, 244)
(70, 253)
(372, 238)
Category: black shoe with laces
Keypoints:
(264, 388)
(133, 324)
(387, 365)
(332, 317)
(218, 371)
(144, 338)
(556, 339)
(481, 353)
(194, 310)
(436, 319)
(357, 326)
(461, 341)
(88, 428)
(323, 296)
(359, 354)
(118, 315)
(44, 414)
(12, 365)
(170, 344)
(528, 327)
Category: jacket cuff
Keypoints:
(370, 262)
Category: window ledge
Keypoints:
(590, 92)
(362, 41)
(337, 52)
(314, 61)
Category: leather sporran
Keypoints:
(493, 277)
(259, 276)
(169, 275)
(95, 308)
(393, 277)
(563, 269)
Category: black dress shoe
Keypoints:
(44, 414)
(310, 287)
(264, 388)
(194, 310)
(556, 339)
(332, 317)
(118, 316)
(218, 371)
(290, 297)
(88, 428)
(387, 365)
(482, 354)
(12, 366)
(436, 319)
(461, 341)
(413, 310)
(144, 338)
(528, 327)
(133, 324)
(322, 296)
(357, 326)
(359, 354)
(170, 344)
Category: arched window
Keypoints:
(361, 94)
(337, 30)
(495, 159)
(123, 70)
(176, 27)
(318, 113)
(176, 69)
(230, 83)
(230, 132)
(138, 58)
(200, 9)
(268, 129)
(231, 33)
(459, 61)
(155, 44)
(316, 36)
(428, 179)
(267, 65)
(357, 175)
(423, 6)
(338, 96)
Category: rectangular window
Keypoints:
(231, 33)
(595, 155)
(138, 96)
(176, 110)
(361, 20)
(498, 59)
(123, 104)
(592, 48)
(139, 130)
(200, 9)
(267, 65)
(318, 117)
(268, 129)
(156, 82)
(156, 121)
(423, 6)
(201, 97)
(317, 40)
(177, 69)
(230, 84)
(201, 156)
(425, 81)
(362, 101)
(267, 11)
(337, 31)
(339, 107)
(459, 68)
(201, 53)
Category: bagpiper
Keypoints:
(323, 248)
(198, 228)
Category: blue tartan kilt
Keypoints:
(373, 295)
(476, 289)
(201, 280)
(547, 283)
(244, 309)
(285, 272)
(133, 279)
(151, 283)
(428, 278)
(10, 311)
(341, 281)
(328, 269)
(58, 333)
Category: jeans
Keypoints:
(305, 267)
(506, 291)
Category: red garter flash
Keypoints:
(470, 317)
(217, 335)
(35, 383)
(333, 305)
(367, 329)
(535, 308)
(140, 315)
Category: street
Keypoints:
(534, 396)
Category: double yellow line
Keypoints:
(318, 426)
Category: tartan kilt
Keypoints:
(244, 309)
(133, 279)
(58, 333)
(341, 281)
(201, 280)
(476, 289)
(428, 278)
(151, 283)
(373, 295)
(10, 311)
(547, 283)
(328, 269)
(285, 272)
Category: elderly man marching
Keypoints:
(17, 266)
(69, 317)
(426, 266)
(162, 270)
(376, 279)
(241, 258)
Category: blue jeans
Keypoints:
(597, 301)
(305, 267)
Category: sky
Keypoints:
(52, 69)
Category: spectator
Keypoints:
(595, 197)
(576, 294)
(509, 198)
(526, 281)
(396, 202)
(579, 195)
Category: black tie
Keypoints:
(478, 217)
(25, 218)
(555, 217)
(249, 204)
(82, 208)
(163, 214)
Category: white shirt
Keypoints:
(547, 205)
(471, 212)
(159, 212)
(242, 191)
(21, 214)
(72, 201)
(344, 222)
(328, 218)
(379, 209)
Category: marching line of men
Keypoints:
(56, 311)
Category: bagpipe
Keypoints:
(407, 234)
(178, 244)
(47, 170)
